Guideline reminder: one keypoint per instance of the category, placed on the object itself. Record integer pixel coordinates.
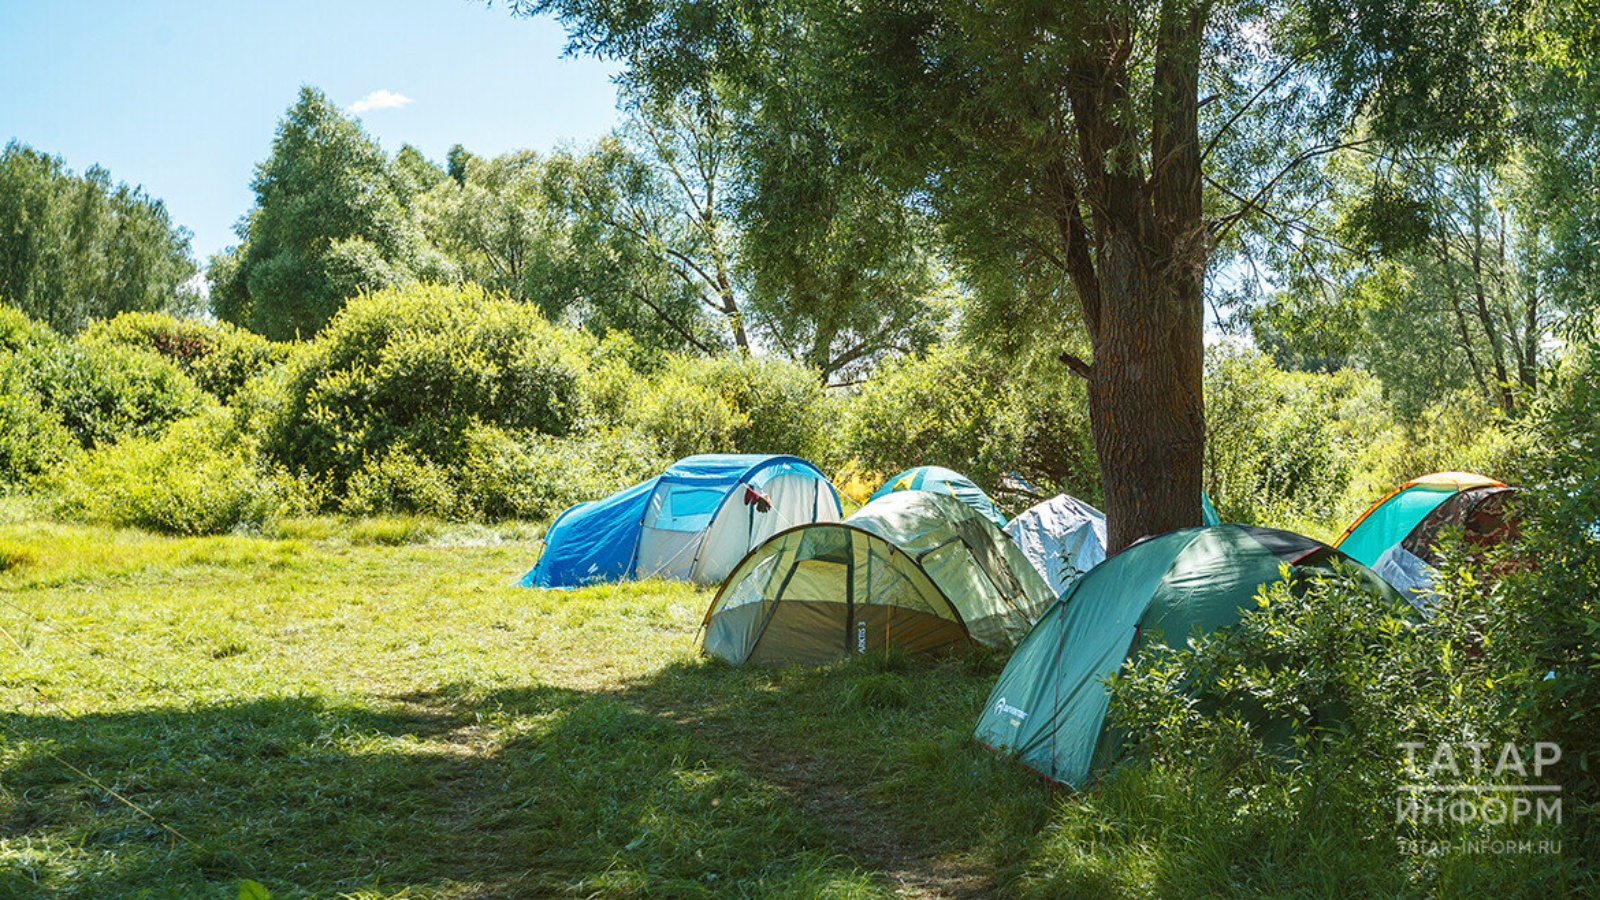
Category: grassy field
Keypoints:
(370, 710)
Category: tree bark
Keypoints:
(1143, 292)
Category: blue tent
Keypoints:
(943, 481)
(693, 522)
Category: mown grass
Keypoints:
(370, 709)
(338, 710)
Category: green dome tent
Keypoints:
(913, 570)
(943, 481)
(1049, 706)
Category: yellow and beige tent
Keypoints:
(912, 570)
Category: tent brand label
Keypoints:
(1005, 709)
(861, 637)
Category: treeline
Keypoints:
(459, 403)
(76, 247)
(647, 233)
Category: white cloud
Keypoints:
(379, 100)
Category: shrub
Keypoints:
(538, 477)
(956, 408)
(97, 393)
(413, 369)
(220, 357)
(107, 393)
(200, 477)
(1459, 432)
(400, 482)
(1260, 745)
(1282, 446)
(21, 334)
(1557, 565)
(733, 404)
(33, 439)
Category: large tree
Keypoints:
(1084, 135)
(77, 247)
(331, 220)
(545, 231)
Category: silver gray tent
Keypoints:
(1063, 537)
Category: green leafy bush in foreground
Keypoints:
(200, 477)
(1552, 587)
(1268, 758)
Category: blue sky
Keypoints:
(183, 96)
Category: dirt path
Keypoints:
(869, 832)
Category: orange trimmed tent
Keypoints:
(1413, 513)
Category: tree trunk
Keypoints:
(1143, 290)
(1496, 352)
(1146, 405)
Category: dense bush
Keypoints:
(1260, 748)
(107, 393)
(732, 404)
(500, 475)
(540, 477)
(33, 439)
(99, 393)
(956, 408)
(401, 481)
(1556, 568)
(218, 356)
(414, 369)
(1458, 432)
(200, 477)
(1281, 446)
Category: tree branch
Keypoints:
(1076, 365)
(1227, 222)
(672, 323)
(1248, 104)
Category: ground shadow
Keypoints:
(699, 780)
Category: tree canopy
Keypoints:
(330, 221)
(1105, 150)
(77, 247)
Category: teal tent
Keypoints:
(943, 481)
(1389, 521)
(1049, 706)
